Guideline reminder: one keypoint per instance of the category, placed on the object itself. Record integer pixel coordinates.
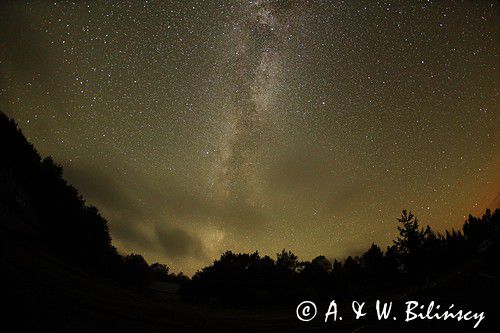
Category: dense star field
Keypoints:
(201, 126)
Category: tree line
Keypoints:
(417, 257)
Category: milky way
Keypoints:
(258, 40)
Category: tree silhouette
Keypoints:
(410, 238)
(373, 266)
(160, 272)
(409, 243)
(136, 270)
(287, 260)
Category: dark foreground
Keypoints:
(42, 291)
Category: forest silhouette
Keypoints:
(36, 192)
(74, 230)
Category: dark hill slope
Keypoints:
(35, 191)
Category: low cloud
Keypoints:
(179, 243)
(131, 223)
(147, 218)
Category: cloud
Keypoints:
(121, 205)
(147, 218)
(179, 243)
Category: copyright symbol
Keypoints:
(306, 311)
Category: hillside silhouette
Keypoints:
(61, 267)
(34, 189)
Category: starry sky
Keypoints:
(201, 126)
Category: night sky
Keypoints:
(201, 126)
